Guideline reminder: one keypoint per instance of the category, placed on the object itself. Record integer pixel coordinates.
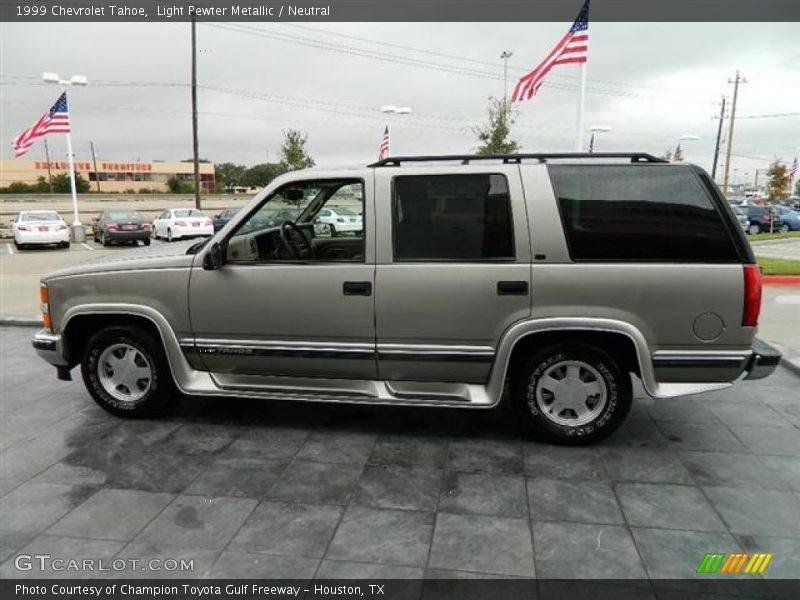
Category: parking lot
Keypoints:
(278, 490)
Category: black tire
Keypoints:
(17, 245)
(606, 410)
(784, 228)
(169, 235)
(64, 245)
(146, 241)
(104, 239)
(160, 389)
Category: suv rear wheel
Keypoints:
(126, 372)
(572, 394)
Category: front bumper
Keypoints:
(764, 360)
(50, 347)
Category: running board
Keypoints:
(362, 391)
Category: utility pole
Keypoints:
(194, 116)
(94, 161)
(735, 83)
(49, 173)
(719, 141)
(505, 56)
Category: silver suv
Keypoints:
(551, 277)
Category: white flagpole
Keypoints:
(76, 222)
(581, 106)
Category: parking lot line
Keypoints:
(87, 246)
(10, 248)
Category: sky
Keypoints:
(651, 83)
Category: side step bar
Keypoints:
(406, 393)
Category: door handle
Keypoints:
(357, 288)
(512, 288)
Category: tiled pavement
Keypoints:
(255, 489)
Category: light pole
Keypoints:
(389, 110)
(76, 232)
(505, 56)
(597, 129)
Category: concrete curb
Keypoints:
(20, 322)
(780, 279)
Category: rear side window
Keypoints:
(452, 218)
(639, 213)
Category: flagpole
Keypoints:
(76, 222)
(581, 106)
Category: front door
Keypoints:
(291, 300)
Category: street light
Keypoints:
(77, 233)
(597, 129)
(389, 110)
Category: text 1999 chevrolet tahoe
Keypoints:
(559, 274)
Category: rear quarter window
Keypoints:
(640, 213)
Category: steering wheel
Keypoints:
(294, 247)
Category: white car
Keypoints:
(341, 220)
(40, 228)
(178, 223)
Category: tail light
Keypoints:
(44, 305)
(752, 295)
(23, 228)
(145, 226)
(62, 227)
(765, 217)
(113, 226)
(180, 223)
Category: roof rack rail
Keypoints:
(635, 157)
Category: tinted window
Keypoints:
(40, 216)
(187, 212)
(125, 216)
(639, 213)
(452, 217)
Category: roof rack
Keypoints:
(635, 157)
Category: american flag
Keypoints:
(573, 48)
(793, 170)
(56, 120)
(383, 149)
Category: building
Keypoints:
(113, 176)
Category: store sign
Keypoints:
(87, 166)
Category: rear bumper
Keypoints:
(764, 360)
(127, 236)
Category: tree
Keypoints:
(797, 187)
(261, 175)
(667, 155)
(229, 174)
(677, 156)
(494, 136)
(179, 186)
(61, 184)
(293, 152)
(777, 181)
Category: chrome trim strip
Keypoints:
(700, 359)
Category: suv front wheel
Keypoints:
(572, 394)
(126, 372)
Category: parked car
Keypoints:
(181, 223)
(40, 228)
(221, 219)
(741, 216)
(120, 227)
(341, 220)
(563, 275)
(765, 219)
(790, 217)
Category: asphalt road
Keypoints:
(788, 248)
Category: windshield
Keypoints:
(42, 216)
(125, 216)
(188, 212)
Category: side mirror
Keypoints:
(323, 230)
(213, 259)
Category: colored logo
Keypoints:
(738, 562)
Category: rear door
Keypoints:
(453, 269)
